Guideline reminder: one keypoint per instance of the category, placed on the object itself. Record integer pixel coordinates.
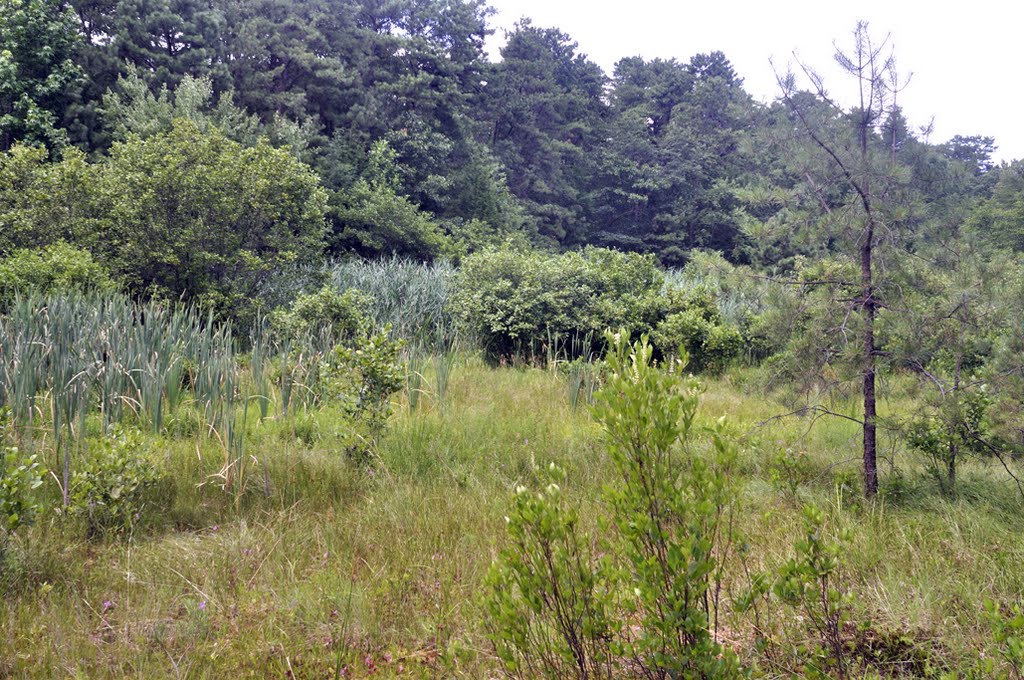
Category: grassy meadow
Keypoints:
(351, 570)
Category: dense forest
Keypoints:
(293, 292)
(407, 140)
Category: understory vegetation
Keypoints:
(407, 565)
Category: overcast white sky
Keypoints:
(967, 59)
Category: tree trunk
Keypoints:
(868, 302)
(951, 470)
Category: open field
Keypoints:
(358, 569)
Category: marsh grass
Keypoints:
(357, 569)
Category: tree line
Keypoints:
(660, 156)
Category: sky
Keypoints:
(964, 64)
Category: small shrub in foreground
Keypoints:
(671, 506)
(549, 608)
(1008, 634)
(20, 476)
(649, 606)
(361, 378)
(109, 487)
(811, 584)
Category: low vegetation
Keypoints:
(387, 565)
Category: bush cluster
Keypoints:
(527, 303)
(54, 269)
(110, 485)
(356, 367)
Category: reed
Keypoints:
(411, 296)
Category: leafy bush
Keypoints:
(528, 302)
(341, 358)
(549, 608)
(671, 507)
(109, 487)
(651, 603)
(811, 584)
(361, 379)
(953, 430)
(698, 329)
(56, 268)
(340, 314)
(20, 476)
(42, 202)
(199, 215)
(1008, 634)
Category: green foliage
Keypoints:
(664, 177)
(20, 476)
(652, 601)
(545, 120)
(1008, 635)
(958, 427)
(358, 374)
(812, 584)
(549, 609)
(39, 77)
(57, 268)
(670, 506)
(339, 314)
(109, 488)
(698, 329)
(1000, 219)
(42, 203)
(520, 301)
(410, 296)
(373, 219)
(130, 360)
(200, 215)
(132, 109)
(788, 470)
(360, 377)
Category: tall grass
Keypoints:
(69, 358)
(411, 296)
(125, 360)
(736, 295)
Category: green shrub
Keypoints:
(20, 476)
(521, 302)
(548, 605)
(670, 505)
(196, 214)
(56, 268)
(1008, 634)
(698, 329)
(110, 486)
(340, 314)
(360, 378)
(811, 583)
(649, 606)
(955, 428)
